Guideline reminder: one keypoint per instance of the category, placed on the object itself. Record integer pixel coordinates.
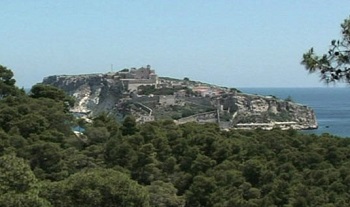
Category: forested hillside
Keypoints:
(43, 163)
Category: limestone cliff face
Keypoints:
(266, 109)
(98, 93)
(94, 93)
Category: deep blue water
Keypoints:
(331, 105)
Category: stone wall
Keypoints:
(209, 117)
(133, 84)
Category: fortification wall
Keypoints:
(208, 117)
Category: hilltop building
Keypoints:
(134, 78)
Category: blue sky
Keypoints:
(236, 43)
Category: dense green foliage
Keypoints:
(148, 90)
(43, 163)
(333, 66)
(7, 83)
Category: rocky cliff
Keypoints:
(109, 93)
(266, 109)
(93, 93)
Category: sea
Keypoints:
(330, 104)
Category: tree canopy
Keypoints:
(333, 66)
(7, 83)
(43, 163)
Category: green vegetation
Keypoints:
(235, 90)
(225, 116)
(148, 90)
(289, 99)
(124, 70)
(177, 112)
(7, 83)
(282, 116)
(43, 163)
(333, 66)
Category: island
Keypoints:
(141, 93)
